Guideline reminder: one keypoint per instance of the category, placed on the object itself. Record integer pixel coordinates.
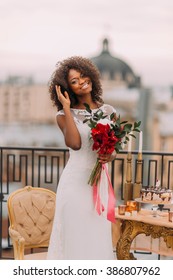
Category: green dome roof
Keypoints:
(106, 63)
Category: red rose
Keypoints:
(104, 139)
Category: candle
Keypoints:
(130, 144)
(140, 142)
(121, 209)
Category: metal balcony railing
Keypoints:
(42, 167)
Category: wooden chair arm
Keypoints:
(18, 244)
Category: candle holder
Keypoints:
(170, 216)
(128, 187)
(131, 206)
(138, 182)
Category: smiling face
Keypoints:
(79, 83)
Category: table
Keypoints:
(143, 222)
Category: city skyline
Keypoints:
(36, 34)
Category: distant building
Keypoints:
(114, 69)
(27, 117)
(25, 104)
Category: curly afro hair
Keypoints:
(60, 75)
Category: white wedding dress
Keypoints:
(78, 232)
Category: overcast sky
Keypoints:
(35, 34)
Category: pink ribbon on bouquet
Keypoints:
(111, 198)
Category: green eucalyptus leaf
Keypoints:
(112, 116)
(137, 124)
(128, 127)
(124, 122)
(132, 135)
(87, 108)
(86, 120)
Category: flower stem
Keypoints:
(95, 174)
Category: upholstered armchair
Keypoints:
(31, 212)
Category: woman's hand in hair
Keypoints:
(63, 98)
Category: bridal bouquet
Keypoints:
(108, 135)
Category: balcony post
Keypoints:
(128, 187)
(138, 182)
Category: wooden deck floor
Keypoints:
(8, 254)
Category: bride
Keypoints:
(78, 231)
